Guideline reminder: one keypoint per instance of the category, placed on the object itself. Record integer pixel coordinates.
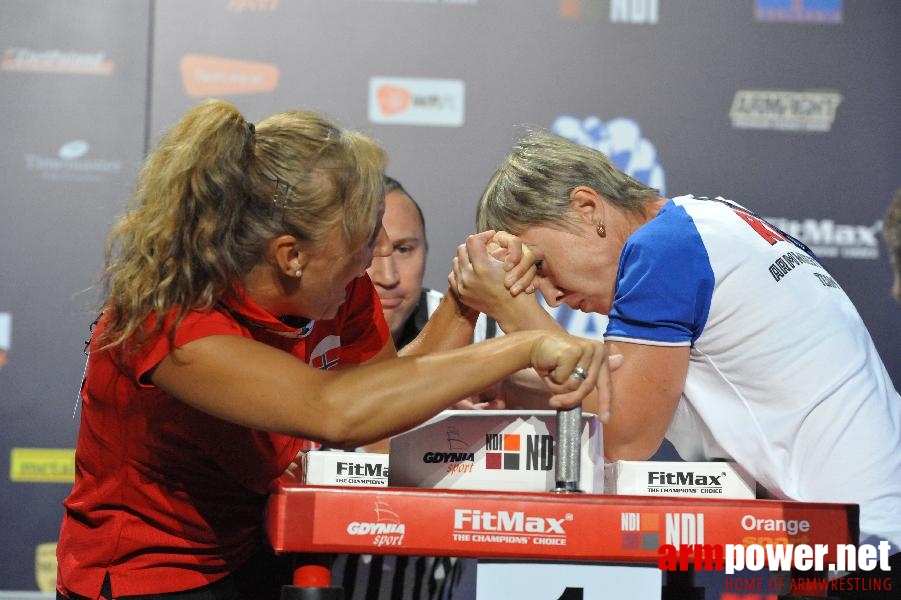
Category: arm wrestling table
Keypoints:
(321, 520)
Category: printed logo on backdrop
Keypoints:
(457, 2)
(6, 335)
(217, 76)
(620, 139)
(67, 62)
(412, 101)
(634, 11)
(829, 239)
(582, 9)
(798, 11)
(72, 163)
(784, 110)
(616, 11)
(45, 566)
(240, 6)
(42, 465)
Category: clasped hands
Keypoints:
(495, 273)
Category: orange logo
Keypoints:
(214, 76)
(393, 99)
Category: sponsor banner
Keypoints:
(42, 465)
(217, 76)
(621, 140)
(69, 62)
(635, 11)
(72, 163)
(799, 11)
(330, 467)
(594, 10)
(537, 525)
(45, 566)
(240, 6)
(784, 110)
(411, 101)
(687, 479)
(455, 2)
(6, 335)
(640, 12)
(829, 239)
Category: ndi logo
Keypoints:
(503, 452)
(684, 528)
(642, 530)
(620, 139)
(639, 531)
(634, 11)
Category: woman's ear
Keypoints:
(586, 203)
(287, 256)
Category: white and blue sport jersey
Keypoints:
(783, 376)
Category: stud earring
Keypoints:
(601, 229)
(298, 273)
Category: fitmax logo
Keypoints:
(508, 522)
(362, 470)
(682, 478)
(829, 239)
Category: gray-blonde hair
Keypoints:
(533, 185)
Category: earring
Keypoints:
(601, 229)
(298, 273)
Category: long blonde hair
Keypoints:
(212, 194)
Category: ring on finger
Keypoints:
(579, 373)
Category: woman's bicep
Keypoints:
(646, 390)
(244, 382)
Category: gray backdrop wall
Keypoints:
(789, 107)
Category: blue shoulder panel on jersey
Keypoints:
(665, 282)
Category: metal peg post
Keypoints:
(568, 450)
